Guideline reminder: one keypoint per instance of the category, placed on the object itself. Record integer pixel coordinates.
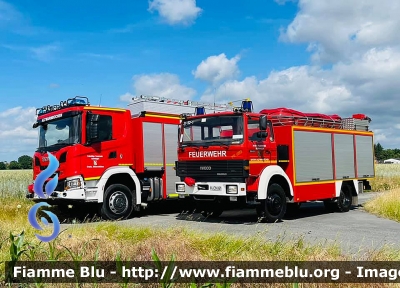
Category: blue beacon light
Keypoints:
(200, 111)
(247, 105)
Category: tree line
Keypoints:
(382, 154)
(23, 162)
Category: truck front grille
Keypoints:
(212, 170)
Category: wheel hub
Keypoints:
(274, 204)
(118, 202)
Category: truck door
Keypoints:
(261, 150)
(102, 152)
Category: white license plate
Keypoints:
(232, 198)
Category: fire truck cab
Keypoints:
(273, 160)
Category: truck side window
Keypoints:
(105, 127)
(253, 129)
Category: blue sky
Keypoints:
(94, 48)
(319, 56)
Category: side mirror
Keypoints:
(92, 129)
(263, 123)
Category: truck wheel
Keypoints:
(274, 207)
(345, 199)
(118, 202)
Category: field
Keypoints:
(14, 183)
(387, 177)
(108, 241)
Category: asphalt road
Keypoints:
(356, 231)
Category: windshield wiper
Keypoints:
(53, 146)
(216, 143)
(196, 145)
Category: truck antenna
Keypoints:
(100, 100)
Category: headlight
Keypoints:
(73, 184)
(180, 187)
(231, 189)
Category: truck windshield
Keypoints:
(217, 130)
(60, 132)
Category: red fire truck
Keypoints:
(122, 159)
(273, 160)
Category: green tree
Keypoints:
(3, 166)
(25, 162)
(379, 151)
(14, 165)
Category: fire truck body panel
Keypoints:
(322, 157)
(159, 145)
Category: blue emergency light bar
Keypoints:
(76, 101)
(247, 105)
(200, 111)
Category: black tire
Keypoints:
(118, 202)
(345, 200)
(273, 208)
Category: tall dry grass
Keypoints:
(387, 177)
(385, 205)
(13, 183)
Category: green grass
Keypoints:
(386, 205)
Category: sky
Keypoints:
(334, 57)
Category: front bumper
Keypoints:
(71, 195)
(210, 189)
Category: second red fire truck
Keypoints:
(273, 160)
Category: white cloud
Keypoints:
(217, 68)
(337, 30)
(127, 97)
(176, 11)
(369, 85)
(54, 85)
(126, 29)
(303, 88)
(162, 85)
(99, 56)
(14, 21)
(45, 52)
(17, 137)
(363, 47)
(282, 2)
(8, 14)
